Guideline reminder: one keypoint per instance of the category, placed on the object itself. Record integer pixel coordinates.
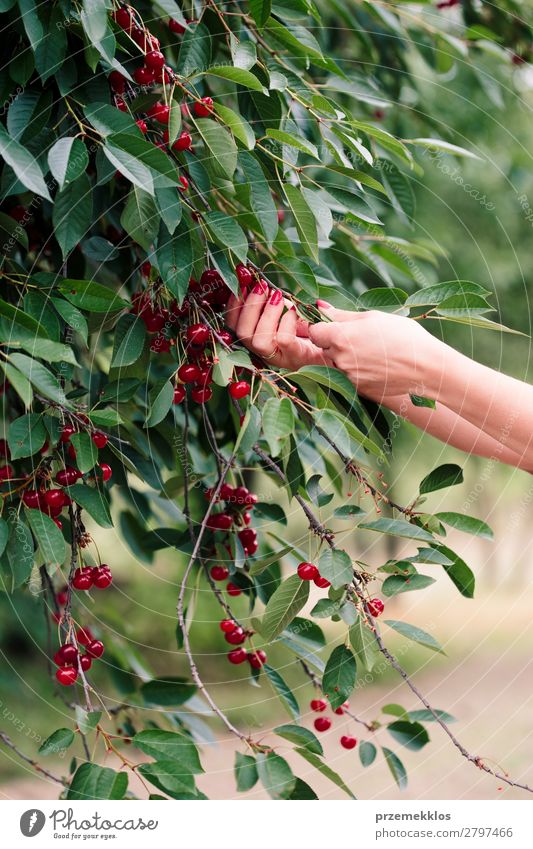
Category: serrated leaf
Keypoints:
(221, 147)
(301, 737)
(283, 606)
(336, 566)
(443, 476)
(363, 641)
(412, 632)
(339, 676)
(226, 232)
(304, 220)
(57, 742)
(92, 782)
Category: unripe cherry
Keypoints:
(318, 705)
(67, 675)
(322, 723)
(308, 571)
(239, 389)
(348, 742)
(219, 573)
(237, 656)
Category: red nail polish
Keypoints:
(323, 304)
(259, 288)
(275, 297)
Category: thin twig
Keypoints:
(8, 742)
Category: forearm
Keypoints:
(449, 427)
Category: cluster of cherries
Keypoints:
(309, 572)
(323, 723)
(70, 660)
(238, 501)
(86, 577)
(236, 636)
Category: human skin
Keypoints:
(388, 358)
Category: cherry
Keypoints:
(226, 492)
(57, 522)
(281, 216)
(257, 659)
(164, 75)
(322, 723)
(198, 334)
(183, 142)
(189, 373)
(246, 518)
(318, 705)
(120, 103)
(237, 656)
(84, 636)
(85, 662)
(179, 394)
(54, 499)
(184, 183)
(175, 26)
(155, 60)
(240, 494)
(340, 710)
(210, 279)
(321, 582)
(83, 579)
(248, 538)
(32, 498)
(124, 18)
(201, 396)
(233, 589)
(146, 268)
(66, 655)
(68, 476)
(375, 607)
(67, 675)
(244, 276)
(308, 571)
(236, 636)
(106, 471)
(144, 76)
(226, 337)
(142, 125)
(101, 577)
(117, 82)
(62, 596)
(227, 625)
(220, 522)
(206, 376)
(219, 573)
(348, 742)
(95, 648)
(100, 439)
(66, 432)
(239, 389)
(203, 108)
(160, 112)
(153, 320)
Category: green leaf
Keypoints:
(72, 316)
(49, 538)
(41, 378)
(167, 745)
(57, 742)
(260, 10)
(419, 401)
(367, 753)
(304, 220)
(236, 75)
(195, 50)
(276, 775)
(172, 778)
(26, 436)
(298, 142)
(91, 296)
(221, 147)
(468, 524)
(87, 720)
(302, 791)
(326, 771)
(261, 200)
(128, 344)
(161, 399)
(68, 159)
(433, 295)
(93, 501)
(364, 644)
(396, 584)
(226, 232)
(424, 715)
(412, 735)
(140, 217)
(283, 606)
(332, 378)
(97, 782)
(245, 772)
(339, 676)
(17, 562)
(278, 422)
(336, 566)
(396, 767)
(238, 125)
(301, 737)
(17, 317)
(167, 692)
(170, 208)
(286, 696)
(444, 146)
(86, 451)
(23, 164)
(412, 632)
(72, 215)
(397, 528)
(4, 535)
(94, 18)
(461, 574)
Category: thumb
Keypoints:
(334, 314)
(323, 333)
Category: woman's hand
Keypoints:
(265, 325)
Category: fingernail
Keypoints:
(275, 297)
(259, 288)
(292, 309)
(323, 304)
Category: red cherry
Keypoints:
(203, 108)
(84, 636)
(67, 675)
(95, 648)
(66, 432)
(236, 637)
(281, 216)
(321, 582)
(124, 18)
(68, 476)
(154, 60)
(308, 571)
(240, 493)
(246, 518)
(375, 607)
(226, 337)
(239, 389)
(31, 498)
(206, 376)
(227, 625)
(143, 76)
(54, 499)
(146, 268)
(322, 723)
(102, 578)
(142, 125)
(198, 334)
(67, 655)
(219, 573)
(210, 279)
(120, 103)
(201, 396)
(100, 439)
(348, 742)
(184, 183)
(244, 276)
(220, 522)
(82, 580)
(85, 662)
(237, 656)
(179, 394)
(175, 26)
(62, 596)
(154, 321)
(117, 82)
(183, 142)
(233, 589)
(248, 538)
(189, 373)
(106, 471)
(58, 523)
(318, 705)
(159, 112)
(257, 659)
(226, 492)
(340, 710)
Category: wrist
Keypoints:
(444, 370)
